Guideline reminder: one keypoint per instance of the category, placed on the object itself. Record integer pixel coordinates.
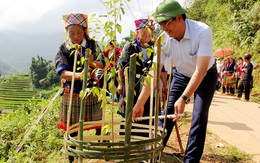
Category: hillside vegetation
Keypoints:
(15, 90)
(235, 24)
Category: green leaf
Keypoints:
(82, 94)
(108, 99)
(147, 79)
(122, 10)
(112, 88)
(103, 104)
(132, 33)
(106, 129)
(95, 91)
(119, 28)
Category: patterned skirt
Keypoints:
(229, 80)
(92, 109)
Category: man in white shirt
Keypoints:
(188, 44)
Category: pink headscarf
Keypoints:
(144, 23)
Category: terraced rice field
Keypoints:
(15, 90)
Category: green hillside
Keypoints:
(235, 24)
(6, 69)
(15, 90)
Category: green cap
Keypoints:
(168, 9)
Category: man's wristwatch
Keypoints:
(186, 99)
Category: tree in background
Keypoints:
(234, 23)
(50, 79)
(43, 73)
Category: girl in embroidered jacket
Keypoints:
(141, 44)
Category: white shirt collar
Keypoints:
(187, 31)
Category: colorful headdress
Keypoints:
(75, 18)
(144, 23)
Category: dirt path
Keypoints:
(236, 122)
(232, 121)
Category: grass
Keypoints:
(233, 154)
(255, 94)
(217, 150)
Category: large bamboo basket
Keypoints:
(121, 145)
(112, 147)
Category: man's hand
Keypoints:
(178, 109)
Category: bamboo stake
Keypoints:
(82, 104)
(158, 72)
(129, 108)
(159, 116)
(151, 103)
(28, 133)
(167, 99)
(77, 47)
(104, 95)
(113, 95)
(151, 108)
(126, 76)
(157, 89)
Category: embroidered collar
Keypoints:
(69, 44)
